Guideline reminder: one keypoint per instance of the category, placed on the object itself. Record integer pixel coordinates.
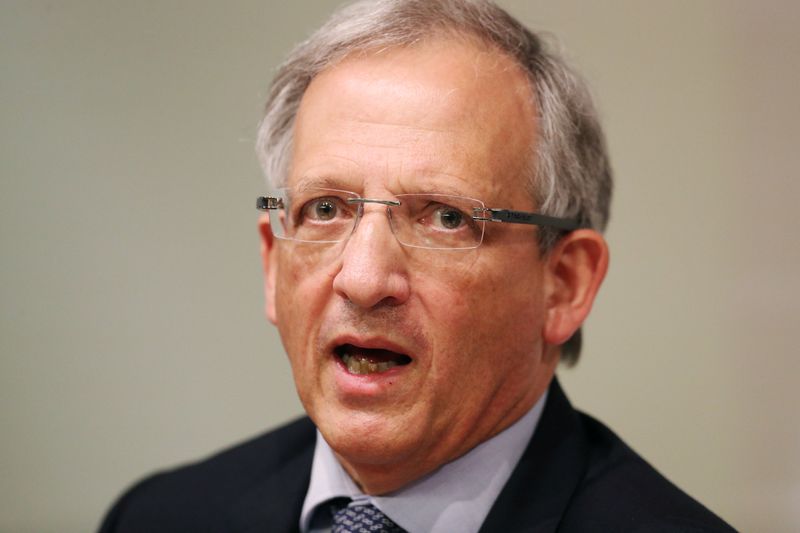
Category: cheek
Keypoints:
(458, 320)
(300, 276)
(300, 297)
(450, 295)
(500, 316)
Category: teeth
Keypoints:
(361, 365)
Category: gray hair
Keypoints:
(570, 175)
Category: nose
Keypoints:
(373, 268)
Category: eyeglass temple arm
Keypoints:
(523, 217)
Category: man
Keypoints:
(431, 248)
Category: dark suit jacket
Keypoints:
(575, 476)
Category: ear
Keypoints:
(268, 258)
(575, 268)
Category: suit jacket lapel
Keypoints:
(274, 504)
(539, 489)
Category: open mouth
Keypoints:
(360, 360)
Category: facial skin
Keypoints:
(481, 326)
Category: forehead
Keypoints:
(447, 109)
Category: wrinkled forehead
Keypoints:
(446, 106)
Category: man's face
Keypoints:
(449, 117)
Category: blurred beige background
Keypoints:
(131, 328)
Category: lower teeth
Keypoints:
(361, 365)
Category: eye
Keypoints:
(321, 209)
(448, 217)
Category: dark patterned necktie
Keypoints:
(363, 519)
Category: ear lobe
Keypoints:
(575, 269)
(268, 258)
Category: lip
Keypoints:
(374, 343)
(368, 385)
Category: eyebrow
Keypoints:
(442, 183)
(324, 182)
(427, 184)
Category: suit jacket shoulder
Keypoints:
(578, 476)
(621, 491)
(256, 486)
(575, 476)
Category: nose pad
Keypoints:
(359, 214)
(391, 222)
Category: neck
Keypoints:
(389, 476)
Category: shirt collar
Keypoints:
(455, 497)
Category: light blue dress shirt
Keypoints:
(455, 497)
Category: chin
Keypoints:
(370, 438)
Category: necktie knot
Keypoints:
(363, 518)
